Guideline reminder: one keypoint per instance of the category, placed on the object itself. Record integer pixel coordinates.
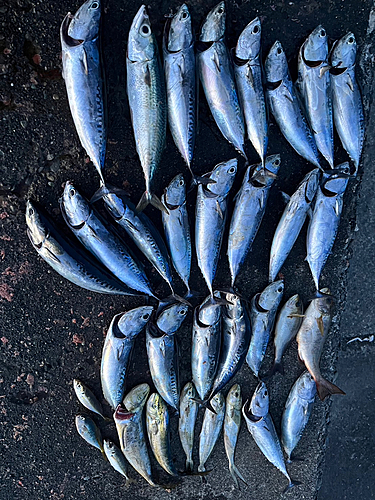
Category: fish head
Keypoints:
(270, 296)
(259, 404)
(218, 402)
(223, 175)
(208, 313)
(214, 25)
(234, 397)
(171, 317)
(276, 65)
(136, 398)
(248, 45)
(336, 183)
(85, 425)
(295, 305)
(311, 181)
(234, 308)
(306, 386)
(315, 48)
(324, 302)
(115, 205)
(78, 386)
(131, 323)
(141, 41)
(84, 25)
(156, 408)
(180, 34)
(344, 52)
(189, 391)
(265, 177)
(175, 192)
(110, 448)
(36, 229)
(76, 208)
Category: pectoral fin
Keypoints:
(320, 324)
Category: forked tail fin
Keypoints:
(325, 388)
(150, 198)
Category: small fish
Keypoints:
(147, 100)
(263, 310)
(232, 424)
(346, 97)
(89, 431)
(297, 412)
(291, 221)
(116, 459)
(87, 398)
(285, 105)
(117, 350)
(261, 427)
(324, 222)
(176, 227)
(217, 77)
(83, 75)
(311, 338)
(211, 428)
(287, 325)
(186, 423)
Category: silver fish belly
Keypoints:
(186, 423)
(232, 424)
(211, 428)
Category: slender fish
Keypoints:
(116, 459)
(211, 427)
(186, 423)
(89, 431)
(87, 398)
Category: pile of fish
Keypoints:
(226, 331)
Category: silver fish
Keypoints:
(181, 82)
(251, 202)
(232, 423)
(324, 222)
(287, 325)
(216, 74)
(311, 338)
(346, 97)
(147, 100)
(87, 398)
(186, 423)
(83, 77)
(314, 84)
(263, 310)
(117, 350)
(105, 245)
(210, 218)
(176, 227)
(89, 431)
(285, 105)
(211, 427)
(116, 459)
(248, 73)
(297, 412)
(291, 221)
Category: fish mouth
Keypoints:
(248, 413)
(122, 415)
(69, 41)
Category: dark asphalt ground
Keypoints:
(52, 331)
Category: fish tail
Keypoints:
(102, 191)
(189, 464)
(325, 388)
(206, 404)
(291, 485)
(150, 198)
(235, 472)
(103, 453)
(201, 468)
(277, 367)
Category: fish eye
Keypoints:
(323, 33)
(94, 5)
(256, 29)
(184, 15)
(280, 289)
(72, 192)
(145, 29)
(181, 183)
(236, 394)
(351, 40)
(231, 170)
(183, 312)
(279, 51)
(276, 163)
(220, 11)
(146, 316)
(31, 211)
(265, 393)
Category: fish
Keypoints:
(117, 351)
(232, 424)
(325, 219)
(87, 398)
(217, 77)
(91, 230)
(206, 343)
(181, 82)
(84, 79)
(286, 107)
(147, 101)
(163, 352)
(287, 325)
(346, 97)
(158, 431)
(211, 428)
(210, 218)
(130, 429)
(177, 229)
(291, 221)
(314, 85)
(248, 212)
(311, 338)
(89, 431)
(116, 459)
(297, 412)
(263, 310)
(71, 261)
(248, 75)
(186, 422)
(260, 425)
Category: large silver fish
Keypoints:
(232, 424)
(314, 85)
(311, 338)
(248, 73)
(263, 310)
(117, 350)
(297, 412)
(105, 245)
(211, 427)
(346, 97)
(291, 221)
(181, 82)
(251, 202)
(324, 222)
(147, 100)
(210, 218)
(83, 77)
(285, 105)
(261, 427)
(216, 74)
(186, 423)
